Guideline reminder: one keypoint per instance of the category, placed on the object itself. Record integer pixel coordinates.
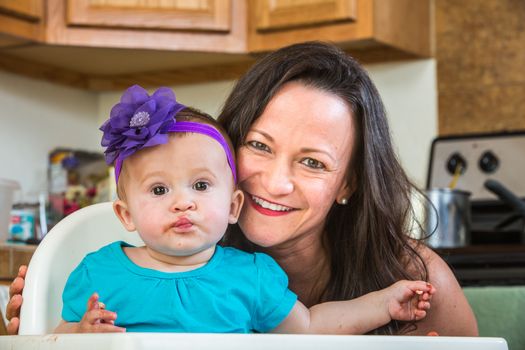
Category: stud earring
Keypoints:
(344, 201)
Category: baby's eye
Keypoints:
(159, 190)
(201, 186)
(313, 163)
(258, 146)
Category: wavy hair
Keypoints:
(367, 240)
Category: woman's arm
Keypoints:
(451, 314)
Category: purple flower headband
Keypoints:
(140, 121)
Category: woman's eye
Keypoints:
(159, 190)
(201, 186)
(258, 146)
(313, 163)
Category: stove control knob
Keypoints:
(488, 162)
(454, 161)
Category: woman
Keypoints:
(325, 193)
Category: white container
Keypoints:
(7, 192)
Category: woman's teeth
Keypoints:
(268, 205)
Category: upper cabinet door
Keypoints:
(28, 9)
(206, 15)
(279, 14)
(21, 21)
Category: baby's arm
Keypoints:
(95, 320)
(404, 300)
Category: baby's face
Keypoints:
(180, 195)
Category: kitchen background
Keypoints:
(443, 67)
(472, 74)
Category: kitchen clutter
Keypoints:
(7, 192)
(76, 179)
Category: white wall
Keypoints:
(36, 117)
(208, 97)
(409, 92)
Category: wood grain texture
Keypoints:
(28, 9)
(21, 28)
(211, 15)
(59, 32)
(480, 64)
(278, 14)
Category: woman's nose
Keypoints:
(279, 179)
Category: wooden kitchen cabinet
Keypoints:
(212, 15)
(404, 25)
(88, 43)
(285, 14)
(12, 255)
(21, 21)
(173, 25)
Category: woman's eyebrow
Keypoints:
(265, 134)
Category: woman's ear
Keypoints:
(346, 191)
(121, 210)
(236, 206)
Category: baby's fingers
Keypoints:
(419, 314)
(423, 305)
(107, 328)
(100, 316)
(92, 303)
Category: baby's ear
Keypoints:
(121, 210)
(236, 206)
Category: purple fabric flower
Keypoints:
(138, 121)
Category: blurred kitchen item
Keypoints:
(512, 201)
(22, 225)
(7, 192)
(76, 180)
(447, 218)
(496, 253)
(497, 156)
(506, 196)
(455, 178)
(43, 215)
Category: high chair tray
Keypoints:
(139, 341)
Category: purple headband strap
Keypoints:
(198, 128)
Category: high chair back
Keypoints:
(61, 250)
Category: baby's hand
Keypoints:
(409, 300)
(97, 319)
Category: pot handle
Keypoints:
(505, 195)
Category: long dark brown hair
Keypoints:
(366, 240)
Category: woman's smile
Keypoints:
(268, 208)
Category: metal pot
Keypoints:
(447, 218)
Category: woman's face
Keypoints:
(292, 166)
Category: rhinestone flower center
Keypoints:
(139, 119)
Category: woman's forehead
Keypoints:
(308, 112)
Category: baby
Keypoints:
(176, 183)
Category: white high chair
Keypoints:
(61, 250)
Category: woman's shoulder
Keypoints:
(450, 313)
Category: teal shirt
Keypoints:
(235, 292)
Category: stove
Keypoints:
(496, 252)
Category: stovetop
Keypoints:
(482, 265)
(496, 254)
(499, 156)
